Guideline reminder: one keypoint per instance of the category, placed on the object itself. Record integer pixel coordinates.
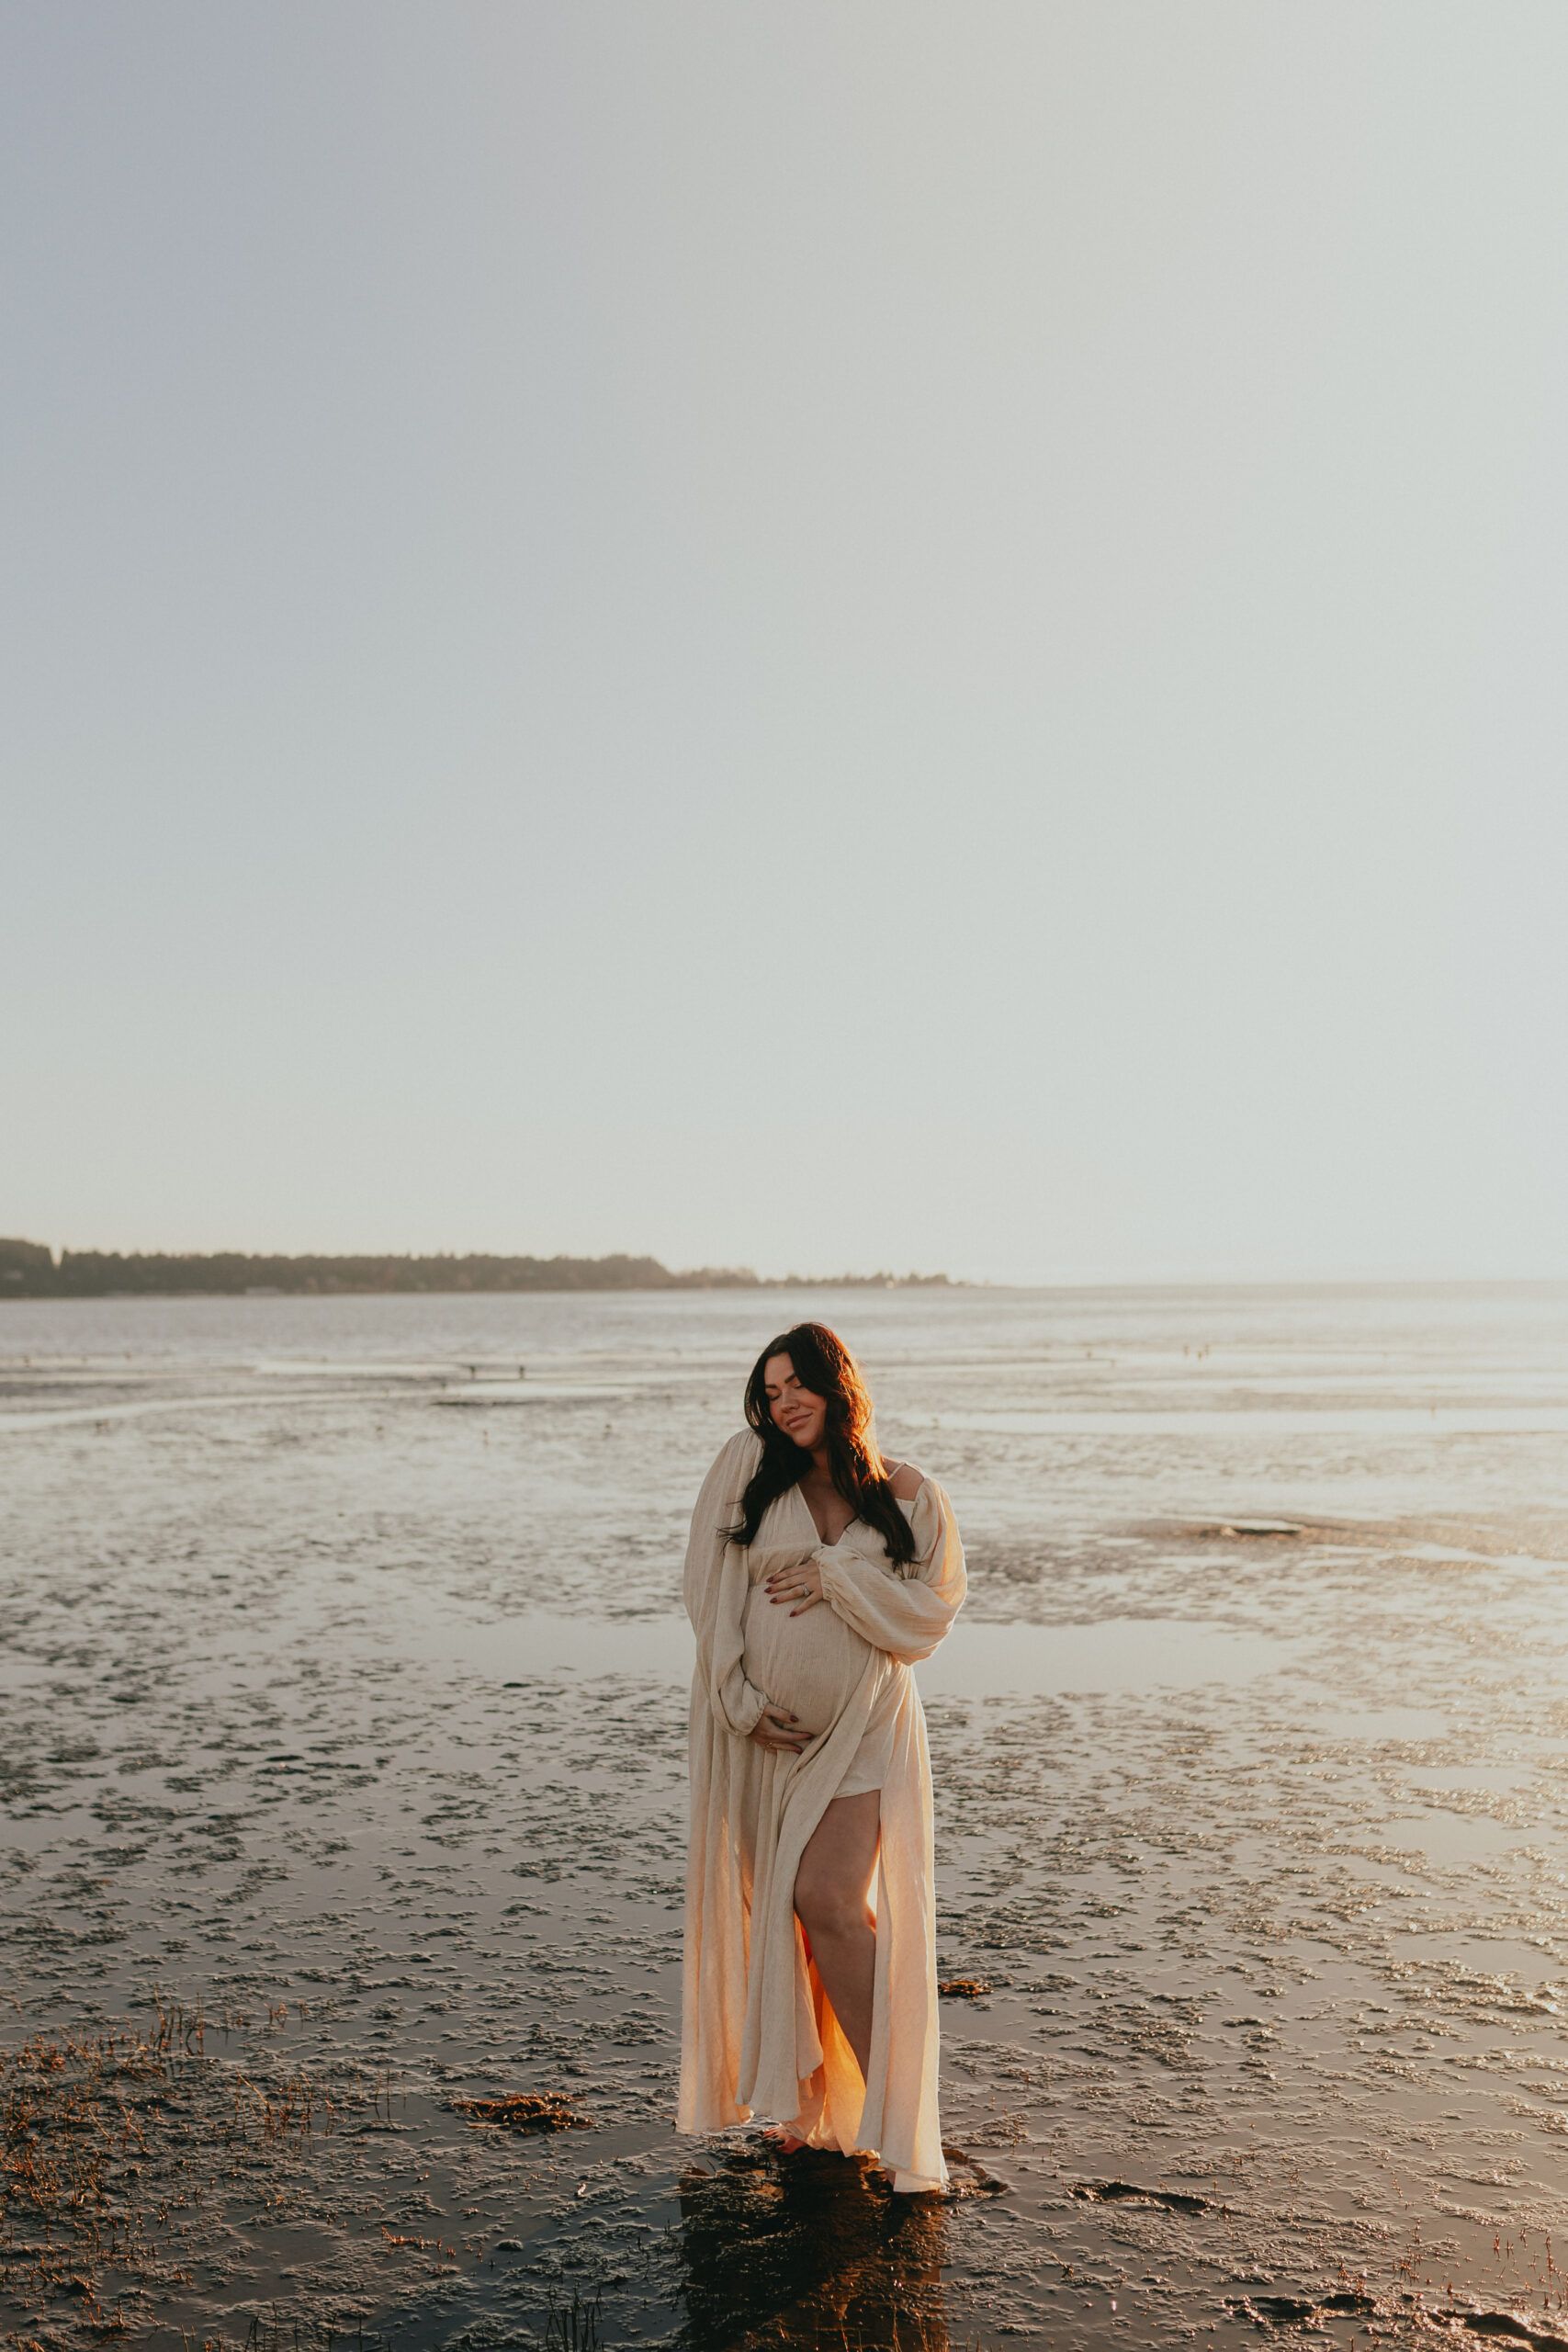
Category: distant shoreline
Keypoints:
(30, 1270)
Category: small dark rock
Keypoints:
(1503, 2323)
(1127, 2193)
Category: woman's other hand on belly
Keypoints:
(780, 1732)
(801, 1586)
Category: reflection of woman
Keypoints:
(816, 1574)
(808, 2254)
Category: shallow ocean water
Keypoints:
(342, 1680)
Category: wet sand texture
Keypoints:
(308, 1853)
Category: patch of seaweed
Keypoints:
(525, 2111)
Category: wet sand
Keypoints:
(355, 1724)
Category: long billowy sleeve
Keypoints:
(905, 1614)
(716, 1587)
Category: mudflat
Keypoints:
(344, 1758)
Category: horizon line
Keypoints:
(35, 1272)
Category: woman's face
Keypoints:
(799, 1412)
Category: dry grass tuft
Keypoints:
(116, 2148)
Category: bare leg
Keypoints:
(830, 1889)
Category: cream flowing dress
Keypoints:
(759, 2036)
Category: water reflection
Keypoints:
(810, 2250)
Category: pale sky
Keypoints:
(813, 635)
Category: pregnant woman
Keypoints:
(816, 1575)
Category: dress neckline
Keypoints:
(905, 1503)
(832, 1543)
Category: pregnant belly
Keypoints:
(811, 1663)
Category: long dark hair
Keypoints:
(825, 1365)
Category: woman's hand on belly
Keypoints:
(780, 1732)
(803, 1586)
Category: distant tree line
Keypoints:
(28, 1270)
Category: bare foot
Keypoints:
(784, 2141)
